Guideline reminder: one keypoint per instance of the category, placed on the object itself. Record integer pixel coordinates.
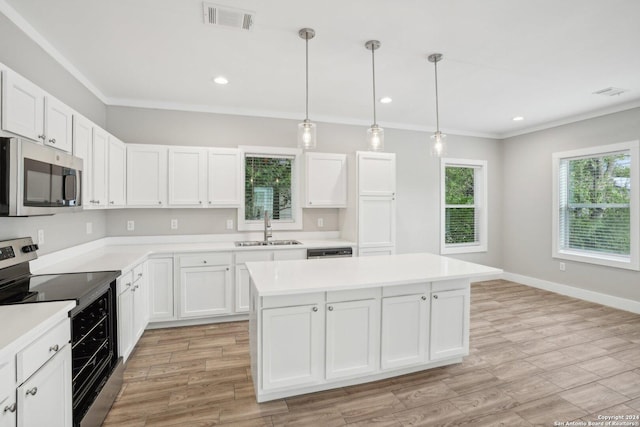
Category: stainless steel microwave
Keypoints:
(38, 180)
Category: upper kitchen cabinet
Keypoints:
(117, 183)
(28, 111)
(325, 180)
(146, 175)
(376, 174)
(187, 176)
(224, 180)
(99, 168)
(90, 144)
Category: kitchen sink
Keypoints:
(245, 243)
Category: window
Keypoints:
(271, 186)
(595, 215)
(463, 215)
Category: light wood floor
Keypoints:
(536, 358)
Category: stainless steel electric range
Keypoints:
(96, 368)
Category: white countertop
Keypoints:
(22, 323)
(332, 274)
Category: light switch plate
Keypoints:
(320, 222)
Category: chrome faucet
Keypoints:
(267, 227)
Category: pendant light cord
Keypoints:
(307, 75)
(435, 64)
(373, 67)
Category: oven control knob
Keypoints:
(30, 248)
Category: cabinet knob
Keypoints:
(200, 202)
(98, 201)
(227, 268)
(315, 309)
(159, 202)
(42, 137)
(310, 203)
(204, 262)
(330, 308)
(435, 297)
(111, 202)
(423, 298)
(52, 140)
(128, 284)
(32, 391)
(139, 274)
(54, 348)
(209, 201)
(10, 408)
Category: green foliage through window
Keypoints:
(460, 211)
(268, 187)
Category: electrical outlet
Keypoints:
(563, 267)
(131, 225)
(320, 222)
(41, 237)
(89, 227)
(229, 224)
(174, 224)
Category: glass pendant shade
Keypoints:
(375, 138)
(439, 146)
(306, 135)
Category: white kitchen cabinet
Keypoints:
(125, 315)
(449, 323)
(29, 111)
(405, 330)
(187, 176)
(224, 182)
(160, 287)
(8, 404)
(389, 250)
(292, 346)
(117, 182)
(325, 180)
(376, 174)
(140, 292)
(376, 222)
(146, 175)
(8, 409)
(99, 169)
(82, 148)
(353, 338)
(45, 398)
(205, 284)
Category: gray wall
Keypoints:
(527, 203)
(21, 54)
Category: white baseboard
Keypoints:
(571, 291)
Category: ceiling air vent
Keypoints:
(225, 16)
(610, 91)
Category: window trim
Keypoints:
(481, 203)
(296, 181)
(633, 261)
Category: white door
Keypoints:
(243, 282)
(187, 176)
(353, 338)
(125, 322)
(224, 180)
(376, 221)
(449, 324)
(292, 346)
(82, 146)
(99, 168)
(45, 398)
(326, 180)
(22, 106)
(146, 175)
(117, 172)
(376, 174)
(405, 329)
(160, 287)
(205, 291)
(58, 124)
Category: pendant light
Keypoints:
(439, 146)
(375, 134)
(306, 129)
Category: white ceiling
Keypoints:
(539, 59)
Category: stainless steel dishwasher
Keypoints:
(343, 252)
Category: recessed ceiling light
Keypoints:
(385, 100)
(221, 80)
(518, 119)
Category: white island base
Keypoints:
(329, 323)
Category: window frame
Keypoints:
(632, 262)
(296, 183)
(480, 204)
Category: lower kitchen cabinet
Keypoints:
(205, 291)
(125, 319)
(160, 288)
(293, 344)
(353, 338)
(45, 398)
(405, 330)
(8, 406)
(449, 323)
(133, 309)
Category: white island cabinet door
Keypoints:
(160, 287)
(22, 106)
(45, 398)
(449, 324)
(292, 346)
(404, 330)
(125, 322)
(205, 291)
(353, 338)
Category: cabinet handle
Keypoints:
(52, 140)
(10, 408)
(423, 298)
(227, 268)
(200, 202)
(209, 201)
(139, 274)
(42, 137)
(54, 348)
(315, 309)
(159, 202)
(435, 297)
(128, 284)
(204, 262)
(330, 308)
(32, 391)
(98, 201)
(111, 202)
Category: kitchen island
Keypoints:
(328, 323)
